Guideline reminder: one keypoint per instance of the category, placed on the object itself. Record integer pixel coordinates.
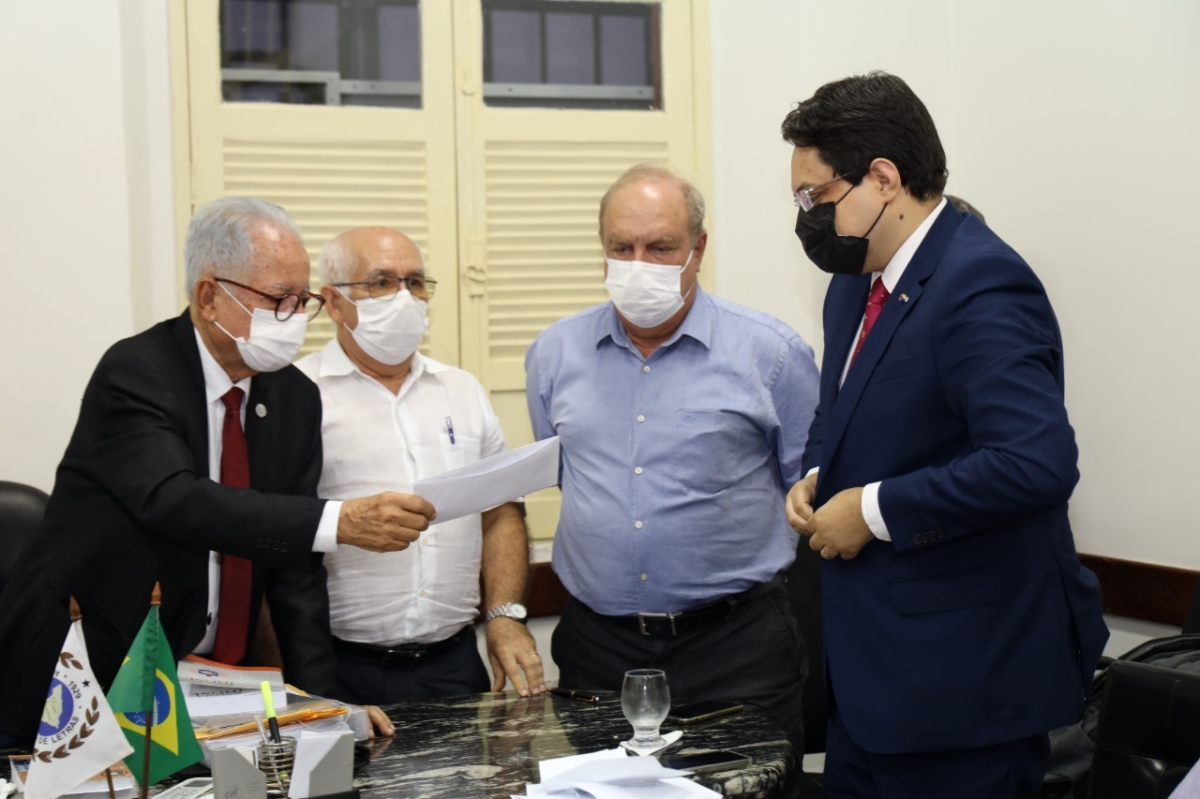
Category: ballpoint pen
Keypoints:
(450, 429)
(578, 696)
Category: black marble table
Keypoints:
(488, 745)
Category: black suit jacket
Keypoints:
(133, 505)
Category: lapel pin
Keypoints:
(261, 410)
(903, 298)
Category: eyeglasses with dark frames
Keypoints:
(287, 305)
(385, 287)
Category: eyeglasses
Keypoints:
(804, 197)
(287, 305)
(384, 287)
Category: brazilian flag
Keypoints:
(147, 686)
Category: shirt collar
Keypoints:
(895, 268)
(216, 379)
(336, 363)
(697, 324)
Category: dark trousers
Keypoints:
(754, 656)
(452, 668)
(1005, 771)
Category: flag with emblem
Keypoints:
(146, 696)
(77, 736)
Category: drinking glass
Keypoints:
(645, 700)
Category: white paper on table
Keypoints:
(552, 767)
(672, 788)
(491, 481)
(624, 772)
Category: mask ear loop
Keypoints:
(250, 313)
(876, 222)
(691, 252)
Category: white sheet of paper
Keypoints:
(491, 481)
(626, 772)
(552, 767)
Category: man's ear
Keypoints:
(205, 298)
(698, 250)
(886, 178)
(333, 307)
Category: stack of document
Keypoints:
(216, 689)
(610, 774)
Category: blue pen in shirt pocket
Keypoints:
(450, 429)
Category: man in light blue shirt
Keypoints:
(683, 420)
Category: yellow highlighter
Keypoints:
(269, 706)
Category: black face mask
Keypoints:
(838, 255)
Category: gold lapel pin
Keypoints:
(903, 298)
(261, 410)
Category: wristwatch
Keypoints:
(513, 610)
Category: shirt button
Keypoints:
(641, 418)
(637, 470)
(638, 524)
(424, 592)
(644, 577)
(646, 368)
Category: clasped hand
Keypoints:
(837, 528)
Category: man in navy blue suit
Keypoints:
(959, 625)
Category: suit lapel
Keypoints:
(842, 332)
(899, 304)
(193, 395)
(258, 429)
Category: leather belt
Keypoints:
(401, 655)
(671, 625)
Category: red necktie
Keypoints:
(875, 301)
(233, 624)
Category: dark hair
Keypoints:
(855, 120)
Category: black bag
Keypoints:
(1071, 748)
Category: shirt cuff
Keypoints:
(326, 537)
(871, 513)
(812, 471)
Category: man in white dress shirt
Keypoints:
(402, 622)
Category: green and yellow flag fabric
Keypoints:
(148, 687)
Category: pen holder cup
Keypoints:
(275, 761)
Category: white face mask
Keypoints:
(390, 330)
(271, 344)
(646, 294)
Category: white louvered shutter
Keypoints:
(338, 167)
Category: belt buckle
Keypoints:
(401, 656)
(668, 616)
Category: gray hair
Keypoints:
(655, 173)
(337, 263)
(219, 237)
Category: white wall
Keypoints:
(75, 221)
(1073, 126)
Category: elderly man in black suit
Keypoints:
(194, 464)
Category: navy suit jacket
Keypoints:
(977, 625)
(133, 505)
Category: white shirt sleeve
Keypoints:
(871, 513)
(326, 538)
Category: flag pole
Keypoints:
(155, 602)
(76, 615)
